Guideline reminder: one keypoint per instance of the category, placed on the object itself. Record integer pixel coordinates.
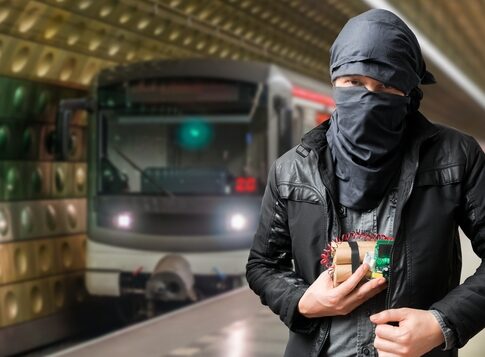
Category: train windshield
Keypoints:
(188, 143)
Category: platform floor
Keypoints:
(231, 325)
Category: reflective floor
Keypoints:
(261, 335)
(208, 331)
(232, 325)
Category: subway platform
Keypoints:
(231, 325)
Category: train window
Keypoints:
(184, 155)
(184, 136)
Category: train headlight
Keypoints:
(123, 220)
(238, 222)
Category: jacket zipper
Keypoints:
(334, 207)
(335, 217)
(334, 211)
(339, 229)
(388, 293)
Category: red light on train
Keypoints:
(245, 184)
(313, 96)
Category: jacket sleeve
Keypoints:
(464, 306)
(269, 270)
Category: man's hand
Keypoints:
(323, 299)
(418, 332)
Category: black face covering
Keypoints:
(367, 129)
(365, 139)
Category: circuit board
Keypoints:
(382, 258)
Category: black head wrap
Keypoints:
(367, 128)
(380, 45)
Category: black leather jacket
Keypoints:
(441, 188)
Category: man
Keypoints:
(381, 167)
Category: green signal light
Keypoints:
(194, 134)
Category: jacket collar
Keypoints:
(420, 129)
(316, 139)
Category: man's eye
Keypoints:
(353, 82)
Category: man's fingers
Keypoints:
(385, 346)
(387, 354)
(348, 285)
(371, 288)
(325, 279)
(388, 332)
(366, 291)
(390, 315)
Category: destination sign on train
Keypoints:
(177, 92)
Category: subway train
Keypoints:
(179, 152)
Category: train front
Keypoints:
(177, 170)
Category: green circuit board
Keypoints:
(382, 257)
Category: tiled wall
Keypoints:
(42, 204)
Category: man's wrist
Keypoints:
(448, 334)
(302, 308)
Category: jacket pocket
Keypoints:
(299, 193)
(440, 176)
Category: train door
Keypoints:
(279, 114)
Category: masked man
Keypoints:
(378, 166)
